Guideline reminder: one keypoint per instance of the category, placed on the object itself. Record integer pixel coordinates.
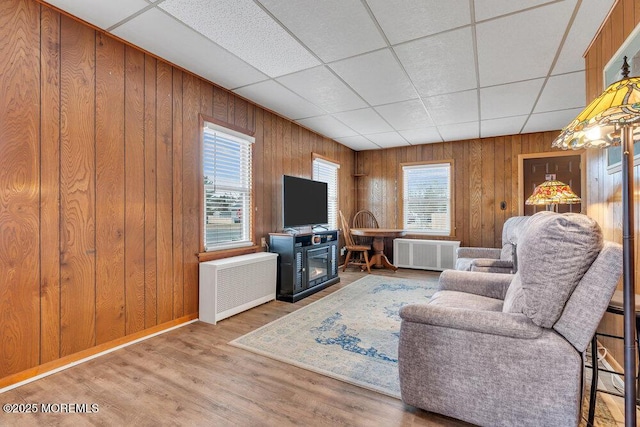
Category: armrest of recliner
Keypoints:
(478, 253)
(514, 325)
(492, 285)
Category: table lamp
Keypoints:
(552, 193)
(610, 120)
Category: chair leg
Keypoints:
(366, 259)
(594, 381)
(346, 261)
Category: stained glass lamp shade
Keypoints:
(552, 193)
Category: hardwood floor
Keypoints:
(191, 376)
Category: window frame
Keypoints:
(401, 179)
(331, 162)
(231, 247)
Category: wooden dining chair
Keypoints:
(364, 219)
(352, 247)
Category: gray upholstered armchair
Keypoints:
(494, 260)
(504, 350)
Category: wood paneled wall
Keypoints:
(100, 177)
(485, 173)
(604, 189)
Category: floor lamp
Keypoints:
(610, 119)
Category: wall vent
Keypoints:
(231, 285)
(425, 254)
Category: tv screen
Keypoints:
(304, 202)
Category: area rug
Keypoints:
(351, 335)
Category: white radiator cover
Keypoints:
(231, 285)
(425, 254)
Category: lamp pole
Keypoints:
(628, 267)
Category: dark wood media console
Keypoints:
(307, 263)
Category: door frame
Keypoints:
(583, 173)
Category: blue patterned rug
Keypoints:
(351, 335)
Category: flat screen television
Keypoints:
(304, 202)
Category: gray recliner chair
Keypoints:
(494, 260)
(504, 350)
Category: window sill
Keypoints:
(227, 253)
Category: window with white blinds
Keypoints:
(326, 171)
(426, 196)
(227, 188)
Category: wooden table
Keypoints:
(379, 259)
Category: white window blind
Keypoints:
(326, 171)
(227, 188)
(427, 198)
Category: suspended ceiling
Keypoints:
(377, 73)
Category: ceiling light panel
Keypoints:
(503, 126)
(505, 59)
(101, 13)
(440, 64)
(162, 35)
(403, 20)
(421, 136)
(453, 108)
(332, 29)
(377, 77)
(585, 25)
(486, 9)
(553, 120)
(387, 139)
(563, 92)
(327, 126)
(320, 86)
(242, 27)
(357, 143)
(406, 115)
(364, 121)
(510, 99)
(280, 99)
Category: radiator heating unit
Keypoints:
(231, 285)
(425, 254)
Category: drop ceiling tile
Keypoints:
(321, 87)
(452, 108)
(503, 126)
(440, 64)
(590, 15)
(357, 143)
(563, 92)
(509, 100)
(486, 9)
(101, 13)
(421, 136)
(364, 121)
(552, 120)
(377, 77)
(406, 115)
(279, 99)
(528, 50)
(332, 29)
(162, 35)
(327, 126)
(403, 20)
(460, 131)
(242, 27)
(387, 139)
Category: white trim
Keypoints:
(93, 356)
